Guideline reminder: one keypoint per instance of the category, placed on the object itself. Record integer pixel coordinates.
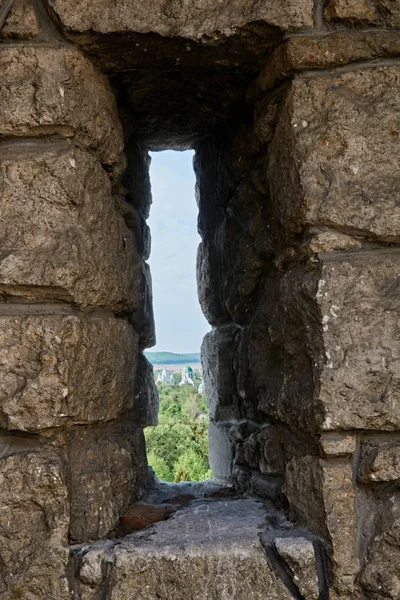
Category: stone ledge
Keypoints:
(211, 549)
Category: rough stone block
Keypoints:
(208, 284)
(146, 402)
(263, 450)
(329, 241)
(338, 141)
(61, 236)
(21, 22)
(196, 20)
(285, 349)
(321, 496)
(138, 178)
(323, 349)
(382, 12)
(56, 90)
(220, 451)
(107, 471)
(299, 556)
(354, 10)
(93, 564)
(62, 370)
(303, 53)
(33, 522)
(380, 576)
(338, 444)
(266, 487)
(390, 11)
(143, 318)
(380, 461)
(217, 353)
(359, 304)
(241, 268)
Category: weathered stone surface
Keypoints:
(61, 235)
(354, 10)
(323, 343)
(242, 245)
(266, 487)
(338, 444)
(135, 221)
(336, 49)
(263, 450)
(143, 318)
(56, 90)
(329, 241)
(285, 349)
(208, 284)
(207, 551)
(337, 138)
(220, 451)
(320, 494)
(233, 222)
(138, 177)
(21, 22)
(33, 522)
(382, 12)
(380, 575)
(298, 554)
(192, 20)
(217, 354)
(63, 370)
(359, 303)
(390, 11)
(380, 461)
(107, 471)
(146, 402)
(93, 564)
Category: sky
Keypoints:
(180, 324)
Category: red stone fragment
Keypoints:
(140, 516)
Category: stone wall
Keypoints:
(293, 111)
(303, 262)
(72, 319)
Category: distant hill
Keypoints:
(169, 358)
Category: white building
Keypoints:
(165, 377)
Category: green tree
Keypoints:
(178, 447)
(191, 466)
(159, 467)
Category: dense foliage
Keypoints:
(177, 448)
(170, 358)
